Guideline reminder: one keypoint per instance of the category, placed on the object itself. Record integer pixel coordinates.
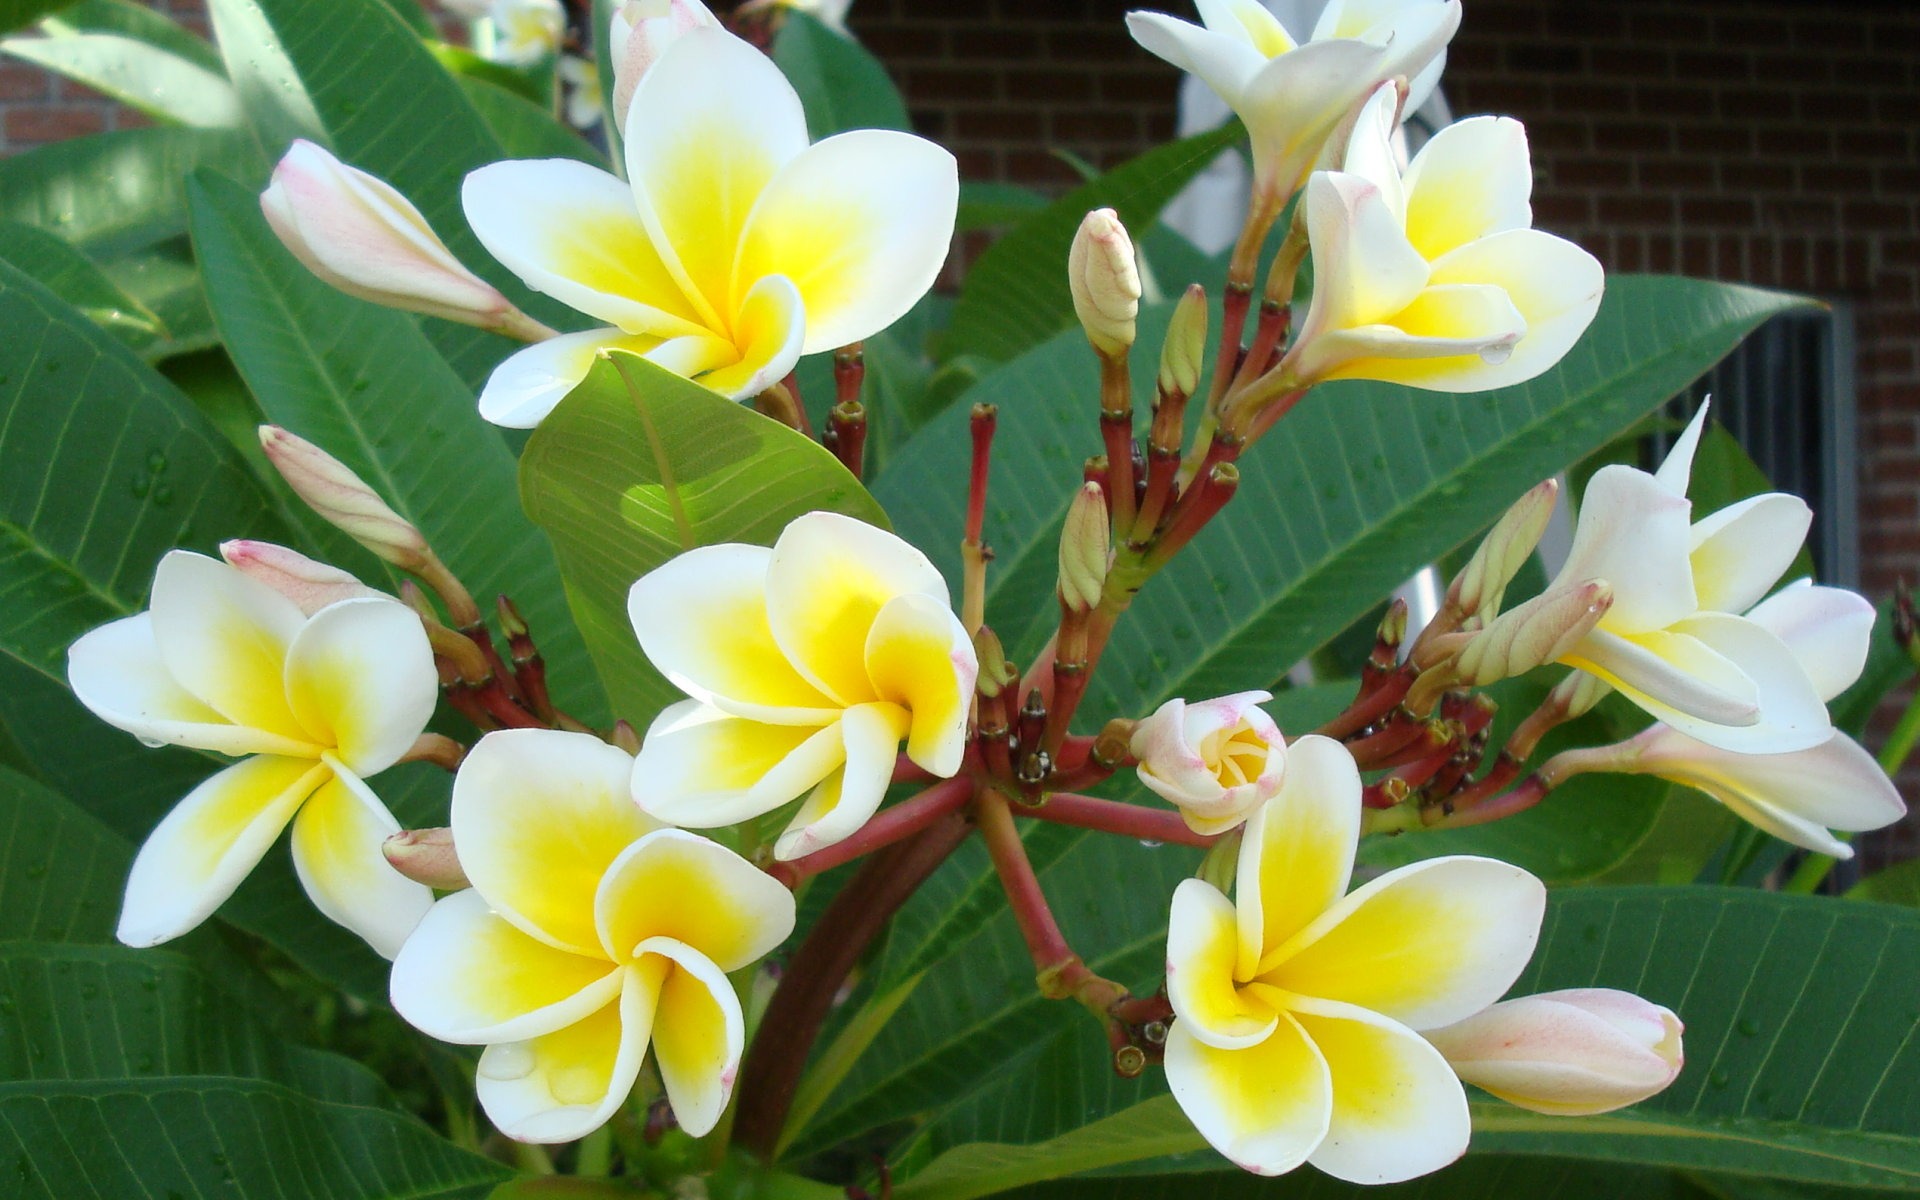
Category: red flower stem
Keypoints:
(891, 825)
(1496, 807)
(1234, 303)
(1370, 706)
(847, 435)
(1116, 431)
(1374, 749)
(1125, 820)
(973, 550)
(905, 770)
(1060, 972)
(849, 373)
(817, 971)
(478, 634)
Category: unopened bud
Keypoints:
(344, 500)
(639, 33)
(1534, 634)
(1482, 585)
(1578, 693)
(1217, 760)
(1572, 1053)
(1185, 350)
(363, 237)
(1084, 550)
(1105, 282)
(993, 663)
(311, 585)
(426, 856)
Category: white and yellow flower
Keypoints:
(734, 247)
(808, 663)
(1435, 278)
(1292, 94)
(524, 32)
(1299, 1007)
(1216, 760)
(1673, 641)
(1571, 1053)
(1799, 795)
(312, 704)
(590, 934)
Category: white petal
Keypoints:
(829, 578)
(336, 853)
(695, 892)
(572, 231)
(198, 854)
(1792, 715)
(531, 383)
(561, 1086)
(1827, 629)
(1473, 179)
(1553, 284)
(224, 638)
(1297, 854)
(1295, 102)
(1742, 550)
(1676, 469)
(769, 331)
(919, 656)
(468, 977)
(699, 1035)
(360, 675)
(701, 618)
(118, 673)
(711, 124)
(1247, 21)
(1202, 946)
(702, 768)
(1223, 61)
(1796, 796)
(1426, 945)
(848, 798)
(1676, 678)
(1398, 1110)
(1266, 1106)
(861, 224)
(1370, 152)
(538, 816)
(1634, 534)
(1451, 338)
(1364, 270)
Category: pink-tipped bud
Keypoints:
(426, 856)
(1105, 281)
(344, 500)
(1482, 584)
(1084, 550)
(640, 32)
(311, 585)
(1534, 634)
(1185, 350)
(363, 237)
(1217, 760)
(1571, 1053)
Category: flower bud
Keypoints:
(1479, 588)
(344, 499)
(309, 584)
(1534, 634)
(1084, 550)
(1218, 760)
(363, 237)
(1105, 281)
(1185, 349)
(639, 33)
(1571, 1053)
(426, 856)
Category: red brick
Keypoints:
(1678, 175)
(50, 124)
(1630, 62)
(1639, 211)
(18, 81)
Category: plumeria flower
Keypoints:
(525, 31)
(581, 76)
(590, 933)
(1218, 760)
(1292, 94)
(1434, 277)
(1571, 1053)
(1796, 796)
(808, 664)
(1299, 1007)
(312, 705)
(1673, 641)
(735, 248)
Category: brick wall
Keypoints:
(36, 108)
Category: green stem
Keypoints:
(594, 1156)
(1814, 871)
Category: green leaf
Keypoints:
(525, 129)
(390, 109)
(61, 872)
(842, 86)
(136, 73)
(1489, 1177)
(364, 384)
(1016, 296)
(138, 22)
(165, 280)
(1898, 884)
(638, 465)
(988, 205)
(73, 277)
(465, 64)
(15, 14)
(115, 193)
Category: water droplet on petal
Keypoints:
(1497, 353)
(507, 1061)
